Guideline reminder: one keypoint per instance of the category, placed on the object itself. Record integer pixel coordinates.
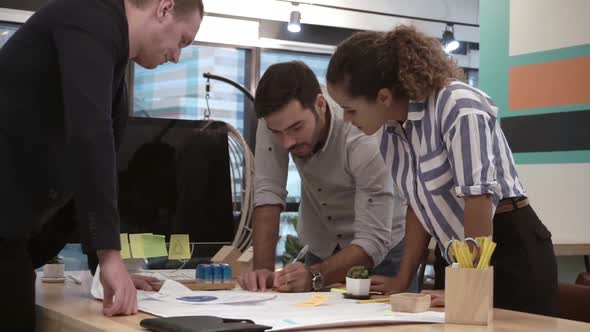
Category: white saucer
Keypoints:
(53, 280)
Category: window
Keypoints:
(319, 65)
(178, 90)
(472, 77)
(6, 31)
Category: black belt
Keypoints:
(510, 204)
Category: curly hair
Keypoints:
(180, 6)
(404, 60)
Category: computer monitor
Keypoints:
(174, 178)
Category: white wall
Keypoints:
(542, 25)
(452, 10)
(559, 193)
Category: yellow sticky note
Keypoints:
(338, 290)
(179, 247)
(314, 301)
(125, 252)
(154, 246)
(137, 246)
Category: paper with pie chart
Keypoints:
(175, 292)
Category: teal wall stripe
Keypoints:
(552, 55)
(557, 157)
(494, 37)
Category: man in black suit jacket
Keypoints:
(63, 106)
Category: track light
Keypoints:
(294, 21)
(448, 39)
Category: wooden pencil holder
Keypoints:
(469, 295)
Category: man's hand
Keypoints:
(388, 285)
(293, 278)
(257, 280)
(143, 282)
(120, 296)
(437, 297)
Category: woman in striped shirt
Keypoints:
(449, 158)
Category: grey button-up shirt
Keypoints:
(347, 195)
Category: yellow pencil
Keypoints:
(380, 299)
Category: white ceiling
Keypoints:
(448, 10)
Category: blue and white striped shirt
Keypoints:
(451, 146)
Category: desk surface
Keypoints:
(68, 307)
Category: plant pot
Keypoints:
(358, 287)
(53, 270)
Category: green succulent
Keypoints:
(358, 272)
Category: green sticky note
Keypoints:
(125, 251)
(137, 245)
(179, 247)
(154, 246)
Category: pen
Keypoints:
(301, 253)
(299, 256)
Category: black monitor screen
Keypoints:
(174, 178)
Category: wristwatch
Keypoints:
(317, 281)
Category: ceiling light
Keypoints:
(294, 21)
(448, 39)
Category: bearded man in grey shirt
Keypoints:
(349, 214)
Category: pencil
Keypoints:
(380, 299)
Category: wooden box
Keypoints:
(409, 302)
(469, 295)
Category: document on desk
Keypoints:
(279, 310)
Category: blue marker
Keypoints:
(200, 273)
(217, 273)
(227, 273)
(206, 273)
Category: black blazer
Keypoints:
(63, 107)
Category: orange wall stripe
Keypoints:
(550, 84)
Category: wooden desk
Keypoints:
(572, 249)
(67, 307)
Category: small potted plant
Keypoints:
(54, 269)
(357, 281)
